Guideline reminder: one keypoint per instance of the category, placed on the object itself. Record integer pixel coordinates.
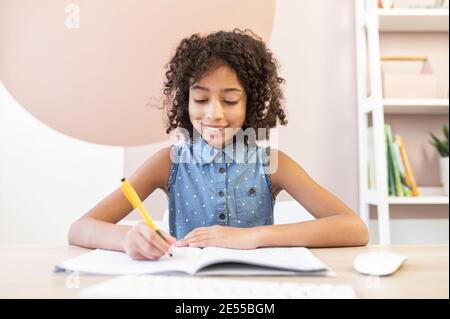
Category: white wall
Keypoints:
(47, 179)
(419, 231)
(314, 43)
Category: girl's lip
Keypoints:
(214, 126)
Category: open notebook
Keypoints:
(206, 261)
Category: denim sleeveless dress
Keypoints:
(209, 186)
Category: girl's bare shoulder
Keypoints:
(279, 164)
(156, 168)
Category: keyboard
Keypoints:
(183, 287)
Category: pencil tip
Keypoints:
(171, 255)
(123, 179)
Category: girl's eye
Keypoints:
(227, 102)
(231, 102)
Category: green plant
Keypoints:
(441, 145)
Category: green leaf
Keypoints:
(441, 145)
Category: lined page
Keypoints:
(289, 258)
(108, 262)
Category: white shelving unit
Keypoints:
(370, 21)
(415, 106)
(429, 196)
(413, 20)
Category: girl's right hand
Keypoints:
(143, 243)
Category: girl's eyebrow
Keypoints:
(198, 87)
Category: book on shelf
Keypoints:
(393, 173)
(409, 176)
(401, 169)
(401, 180)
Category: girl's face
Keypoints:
(217, 106)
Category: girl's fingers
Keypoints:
(160, 243)
(198, 238)
(180, 243)
(187, 241)
(148, 250)
(154, 238)
(195, 232)
(165, 242)
(137, 256)
(168, 238)
(202, 243)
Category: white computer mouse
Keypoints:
(378, 263)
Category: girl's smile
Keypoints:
(213, 131)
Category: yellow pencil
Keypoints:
(136, 202)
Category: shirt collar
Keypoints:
(230, 153)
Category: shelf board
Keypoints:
(429, 195)
(420, 200)
(416, 106)
(413, 20)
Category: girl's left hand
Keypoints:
(220, 236)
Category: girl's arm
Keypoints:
(97, 229)
(335, 225)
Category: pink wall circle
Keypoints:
(93, 69)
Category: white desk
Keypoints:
(26, 272)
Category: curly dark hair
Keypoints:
(242, 51)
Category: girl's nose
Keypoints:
(214, 111)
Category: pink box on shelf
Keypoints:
(408, 78)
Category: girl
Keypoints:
(221, 187)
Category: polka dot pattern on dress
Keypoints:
(216, 190)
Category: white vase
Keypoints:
(443, 164)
